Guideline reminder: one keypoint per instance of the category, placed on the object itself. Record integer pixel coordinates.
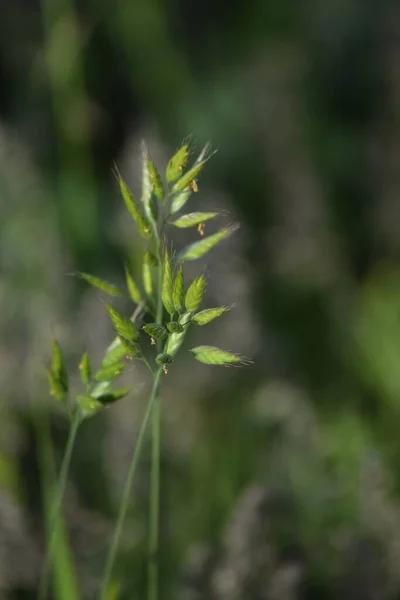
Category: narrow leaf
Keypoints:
(177, 163)
(178, 294)
(102, 285)
(192, 219)
(122, 324)
(210, 355)
(134, 207)
(167, 283)
(195, 293)
(85, 369)
(198, 249)
(209, 314)
(134, 291)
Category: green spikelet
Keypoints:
(56, 388)
(194, 295)
(151, 259)
(164, 359)
(122, 324)
(209, 314)
(177, 163)
(210, 355)
(155, 330)
(58, 366)
(85, 369)
(155, 178)
(102, 285)
(167, 284)
(178, 294)
(174, 327)
(189, 177)
(134, 207)
(131, 349)
(180, 199)
(198, 249)
(110, 373)
(147, 279)
(174, 342)
(133, 289)
(193, 219)
(114, 353)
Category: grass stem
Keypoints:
(128, 490)
(57, 502)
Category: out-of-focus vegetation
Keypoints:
(280, 481)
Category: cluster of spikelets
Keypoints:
(167, 307)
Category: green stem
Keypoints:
(128, 490)
(155, 462)
(55, 512)
(154, 502)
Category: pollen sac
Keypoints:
(174, 327)
(164, 359)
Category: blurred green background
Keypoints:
(280, 481)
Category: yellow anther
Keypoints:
(153, 341)
(165, 369)
(201, 228)
(195, 187)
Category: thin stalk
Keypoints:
(155, 464)
(59, 494)
(128, 490)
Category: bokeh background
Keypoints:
(281, 480)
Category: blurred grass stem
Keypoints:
(126, 496)
(57, 502)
